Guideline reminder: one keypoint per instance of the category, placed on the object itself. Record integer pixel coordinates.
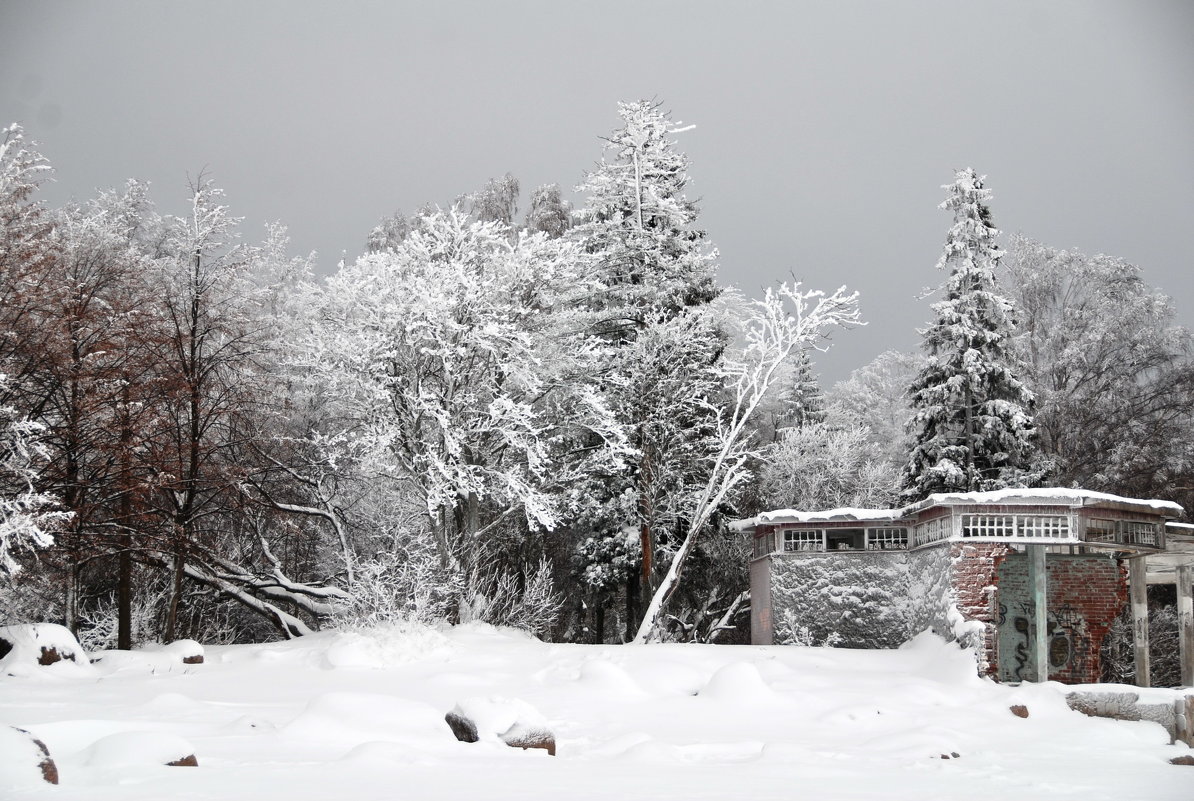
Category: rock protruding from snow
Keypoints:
(141, 748)
(33, 645)
(507, 720)
(24, 759)
(188, 652)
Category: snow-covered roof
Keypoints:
(1045, 495)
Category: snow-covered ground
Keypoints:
(340, 715)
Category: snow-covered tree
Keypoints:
(973, 421)
(650, 315)
(822, 466)
(432, 352)
(1111, 371)
(875, 396)
(25, 252)
(638, 226)
(549, 212)
(801, 402)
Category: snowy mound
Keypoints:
(351, 718)
(740, 683)
(609, 679)
(27, 648)
(151, 658)
(495, 716)
(139, 748)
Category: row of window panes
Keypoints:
(1128, 532)
(874, 539)
(1016, 526)
(932, 530)
(973, 525)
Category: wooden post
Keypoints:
(1138, 596)
(1039, 584)
(1185, 624)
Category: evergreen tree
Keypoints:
(639, 227)
(802, 400)
(973, 422)
(650, 321)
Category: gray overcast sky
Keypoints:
(824, 130)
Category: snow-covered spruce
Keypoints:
(973, 416)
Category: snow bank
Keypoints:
(279, 721)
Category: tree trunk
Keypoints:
(633, 582)
(71, 613)
(124, 587)
(176, 592)
(970, 484)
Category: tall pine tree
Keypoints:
(653, 271)
(973, 417)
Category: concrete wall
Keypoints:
(761, 630)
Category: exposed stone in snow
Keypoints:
(24, 759)
(508, 720)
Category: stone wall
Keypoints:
(929, 594)
(855, 599)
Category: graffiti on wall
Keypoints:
(1067, 641)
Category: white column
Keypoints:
(1185, 623)
(1039, 587)
(1138, 596)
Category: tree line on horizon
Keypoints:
(535, 420)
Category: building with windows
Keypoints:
(1025, 576)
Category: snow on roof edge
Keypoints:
(1068, 495)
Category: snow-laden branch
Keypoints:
(773, 333)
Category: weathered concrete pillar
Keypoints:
(1185, 622)
(1138, 597)
(1039, 587)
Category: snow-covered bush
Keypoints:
(399, 586)
(411, 586)
(27, 517)
(1118, 652)
(526, 600)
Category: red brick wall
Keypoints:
(975, 569)
(1085, 593)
